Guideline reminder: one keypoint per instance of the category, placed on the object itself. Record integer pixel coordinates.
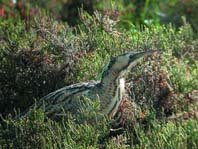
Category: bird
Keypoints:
(109, 90)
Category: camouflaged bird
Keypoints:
(109, 90)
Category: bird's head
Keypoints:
(128, 60)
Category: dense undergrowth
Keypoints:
(46, 54)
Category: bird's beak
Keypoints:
(136, 56)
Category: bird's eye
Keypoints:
(131, 57)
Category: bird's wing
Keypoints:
(68, 91)
(59, 96)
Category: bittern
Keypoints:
(109, 90)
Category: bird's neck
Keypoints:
(112, 87)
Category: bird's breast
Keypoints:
(117, 98)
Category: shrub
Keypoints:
(35, 62)
(49, 54)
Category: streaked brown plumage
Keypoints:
(109, 90)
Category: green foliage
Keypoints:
(136, 12)
(169, 135)
(184, 76)
(48, 54)
(34, 132)
(149, 12)
(174, 11)
(129, 12)
(34, 62)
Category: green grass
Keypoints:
(67, 134)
